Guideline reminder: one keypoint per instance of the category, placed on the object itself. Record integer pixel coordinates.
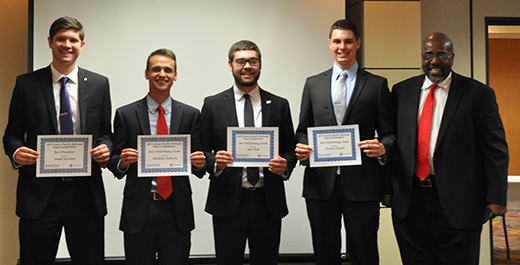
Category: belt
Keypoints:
(251, 188)
(428, 182)
(156, 197)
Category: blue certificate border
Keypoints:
(329, 131)
(170, 138)
(86, 150)
(254, 160)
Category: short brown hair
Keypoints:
(66, 23)
(344, 24)
(241, 46)
(162, 52)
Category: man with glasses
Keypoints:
(247, 204)
(450, 174)
(351, 193)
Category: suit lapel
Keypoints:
(265, 100)
(48, 93)
(176, 117)
(325, 95)
(142, 116)
(411, 111)
(452, 103)
(229, 106)
(358, 87)
(83, 92)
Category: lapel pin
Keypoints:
(85, 79)
(268, 102)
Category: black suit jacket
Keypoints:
(471, 154)
(218, 113)
(371, 107)
(32, 112)
(130, 121)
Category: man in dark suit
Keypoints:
(244, 209)
(153, 222)
(353, 192)
(47, 205)
(446, 188)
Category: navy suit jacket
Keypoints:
(32, 112)
(471, 155)
(218, 113)
(130, 121)
(371, 108)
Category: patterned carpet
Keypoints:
(513, 233)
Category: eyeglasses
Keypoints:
(441, 56)
(242, 62)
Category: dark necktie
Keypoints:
(422, 163)
(249, 121)
(66, 125)
(164, 184)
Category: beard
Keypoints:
(246, 83)
(436, 80)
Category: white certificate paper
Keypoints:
(164, 155)
(334, 146)
(64, 155)
(252, 146)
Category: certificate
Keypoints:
(334, 146)
(163, 155)
(63, 155)
(252, 146)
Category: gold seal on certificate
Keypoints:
(164, 155)
(334, 146)
(63, 155)
(252, 146)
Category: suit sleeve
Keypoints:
(120, 136)
(287, 141)
(16, 128)
(207, 136)
(105, 130)
(386, 134)
(306, 115)
(196, 144)
(494, 150)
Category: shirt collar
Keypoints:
(254, 94)
(351, 71)
(153, 105)
(56, 75)
(444, 84)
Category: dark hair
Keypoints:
(66, 23)
(345, 25)
(243, 45)
(163, 52)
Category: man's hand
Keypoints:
(128, 156)
(222, 158)
(101, 153)
(278, 165)
(303, 151)
(496, 210)
(25, 156)
(372, 148)
(387, 200)
(198, 159)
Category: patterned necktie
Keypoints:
(164, 183)
(340, 104)
(252, 172)
(422, 164)
(66, 125)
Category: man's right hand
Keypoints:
(303, 151)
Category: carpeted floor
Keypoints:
(513, 233)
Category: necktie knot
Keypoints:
(433, 87)
(343, 75)
(160, 109)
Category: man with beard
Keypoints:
(450, 172)
(247, 204)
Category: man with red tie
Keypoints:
(450, 172)
(157, 215)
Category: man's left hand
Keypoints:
(278, 165)
(372, 148)
(496, 210)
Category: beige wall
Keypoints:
(13, 53)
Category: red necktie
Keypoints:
(164, 184)
(422, 163)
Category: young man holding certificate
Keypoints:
(247, 203)
(56, 100)
(346, 95)
(157, 215)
